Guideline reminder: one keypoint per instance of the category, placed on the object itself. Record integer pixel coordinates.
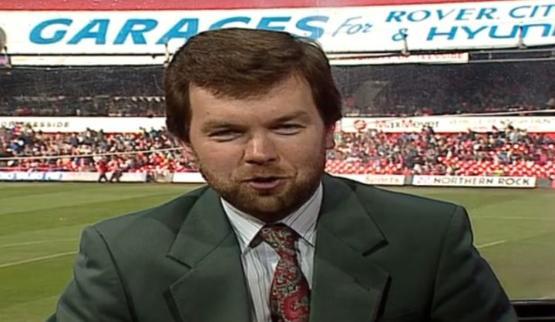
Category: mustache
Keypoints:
(258, 177)
(252, 174)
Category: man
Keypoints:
(116, 168)
(102, 168)
(272, 238)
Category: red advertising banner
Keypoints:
(120, 5)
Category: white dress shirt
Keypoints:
(260, 260)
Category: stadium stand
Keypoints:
(510, 152)
(414, 91)
(399, 90)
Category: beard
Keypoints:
(297, 187)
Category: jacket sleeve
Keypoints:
(96, 292)
(466, 289)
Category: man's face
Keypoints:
(264, 155)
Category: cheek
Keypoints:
(304, 152)
(218, 158)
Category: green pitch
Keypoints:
(40, 226)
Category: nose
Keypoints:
(260, 150)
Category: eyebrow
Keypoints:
(215, 125)
(302, 115)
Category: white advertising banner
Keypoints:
(441, 124)
(444, 26)
(31, 176)
(391, 180)
(93, 176)
(475, 181)
(448, 124)
(80, 124)
(65, 176)
(366, 59)
(335, 59)
(188, 177)
(376, 179)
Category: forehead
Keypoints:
(291, 96)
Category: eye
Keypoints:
(288, 128)
(224, 135)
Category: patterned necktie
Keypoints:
(289, 294)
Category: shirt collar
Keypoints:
(302, 221)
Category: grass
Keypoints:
(40, 224)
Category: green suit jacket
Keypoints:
(380, 256)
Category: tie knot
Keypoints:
(280, 237)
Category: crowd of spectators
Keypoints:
(509, 151)
(22, 148)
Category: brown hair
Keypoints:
(241, 63)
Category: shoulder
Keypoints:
(165, 219)
(387, 200)
(393, 210)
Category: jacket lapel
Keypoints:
(213, 287)
(347, 286)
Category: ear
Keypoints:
(329, 137)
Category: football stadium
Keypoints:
(452, 100)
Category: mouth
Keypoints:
(265, 183)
